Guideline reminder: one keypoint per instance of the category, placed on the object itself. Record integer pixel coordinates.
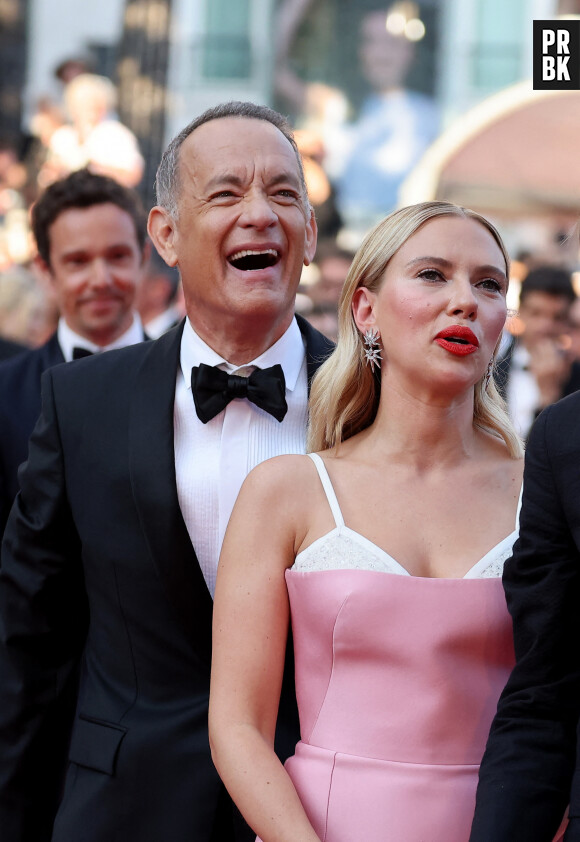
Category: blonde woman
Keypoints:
(385, 547)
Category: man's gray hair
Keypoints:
(167, 179)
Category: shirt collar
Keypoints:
(288, 351)
(69, 339)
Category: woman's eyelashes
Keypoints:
(432, 275)
(436, 275)
(491, 284)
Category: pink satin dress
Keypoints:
(397, 679)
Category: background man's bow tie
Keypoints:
(79, 353)
(213, 389)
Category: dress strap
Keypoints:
(328, 489)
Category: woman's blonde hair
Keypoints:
(345, 393)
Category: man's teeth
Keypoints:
(252, 253)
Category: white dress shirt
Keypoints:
(523, 395)
(213, 459)
(160, 324)
(68, 339)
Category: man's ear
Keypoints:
(162, 230)
(310, 239)
(363, 309)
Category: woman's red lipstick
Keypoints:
(458, 340)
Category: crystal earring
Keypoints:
(372, 348)
(489, 372)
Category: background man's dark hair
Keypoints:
(167, 180)
(552, 280)
(83, 189)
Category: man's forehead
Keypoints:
(98, 210)
(225, 126)
(229, 143)
(542, 300)
(103, 218)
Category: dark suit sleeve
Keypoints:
(5, 503)
(528, 765)
(43, 619)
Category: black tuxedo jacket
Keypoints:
(530, 771)
(19, 410)
(98, 569)
(10, 349)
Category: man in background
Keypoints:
(537, 369)
(91, 239)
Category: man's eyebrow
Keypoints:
(74, 252)
(81, 251)
(284, 177)
(223, 178)
(237, 181)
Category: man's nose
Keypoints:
(100, 273)
(258, 211)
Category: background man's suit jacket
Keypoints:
(97, 566)
(530, 770)
(19, 410)
(10, 349)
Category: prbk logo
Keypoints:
(557, 55)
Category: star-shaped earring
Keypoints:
(372, 349)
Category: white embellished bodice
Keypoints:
(345, 549)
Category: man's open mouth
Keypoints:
(252, 259)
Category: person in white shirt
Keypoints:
(537, 369)
(95, 138)
(133, 470)
(91, 237)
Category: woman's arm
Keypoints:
(250, 628)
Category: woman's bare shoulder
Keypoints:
(281, 478)
(287, 467)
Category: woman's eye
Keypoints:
(431, 275)
(491, 284)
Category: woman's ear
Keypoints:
(363, 309)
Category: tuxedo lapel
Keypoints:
(51, 353)
(318, 347)
(152, 467)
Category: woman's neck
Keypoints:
(423, 432)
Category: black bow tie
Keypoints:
(79, 353)
(213, 389)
